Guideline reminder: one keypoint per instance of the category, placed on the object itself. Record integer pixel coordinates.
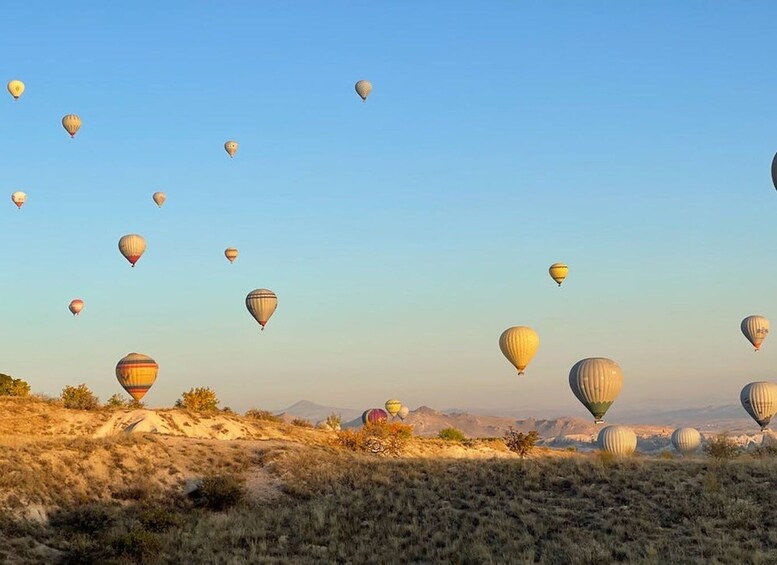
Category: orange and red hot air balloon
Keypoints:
(132, 246)
(136, 373)
(76, 306)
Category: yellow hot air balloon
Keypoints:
(686, 440)
(231, 254)
(72, 124)
(393, 406)
(759, 399)
(261, 303)
(617, 440)
(16, 88)
(132, 247)
(18, 198)
(558, 272)
(519, 344)
(159, 198)
(136, 373)
(76, 306)
(596, 382)
(363, 89)
(231, 147)
(755, 328)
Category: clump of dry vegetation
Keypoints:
(521, 443)
(301, 423)
(79, 398)
(199, 399)
(380, 438)
(721, 447)
(262, 415)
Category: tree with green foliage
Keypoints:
(10, 386)
(79, 398)
(199, 399)
(451, 434)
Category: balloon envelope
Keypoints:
(231, 147)
(132, 246)
(261, 303)
(596, 382)
(231, 254)
(519, 344)
(755, 329)
(392, 406)
(686, 440)
(72, 124)
(76, 306)
(136, 373)
(558, 272)
(403, 412)
(774, 171)
(15, 88)
(18, 198)
(374, 415)
(759, 399)
(618, 440)
(363, 89)
(159, 198)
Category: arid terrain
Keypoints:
(172, 486)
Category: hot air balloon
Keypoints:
(519, 344)
(686, 440)
(132, 247)
(774, 171)
(159, 198)
(18, 198)
(231, 254)
(755, 328)
(136, 373)
(231, 147)
(76, 306)
(618, 440)
(261, 303)
(72, 124)
(596, 382)
(374, 415)
(558, 272)
(759, 399)
(363, 89)
(16, 88)
(403, 412)
(392, 406)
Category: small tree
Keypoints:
(521, 443)
(722, 447)
(333, 421)
(10, 386)
(451, 434)
(79, 398)
(200, 399)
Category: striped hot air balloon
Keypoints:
(596, 382)
(618, 440)
(261, 303)
(403, 412)
(759, 399)
(519, 344)
(558, 272)
(686, 440)
(755, 328)
(72, 124)
(392, 406)
(374, 415)
(231, 254)
(76, 306)
(132, 247)
(136, 373)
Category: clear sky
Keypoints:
(402, 236)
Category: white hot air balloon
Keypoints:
(519, 344)
(596, 382)
(759, 399)
(755, 328)
(132, 246)
(686, 440)
(403, 412)
(261, 303)
(159, 198)
(618, 440)
(18, 198)
(363, 89)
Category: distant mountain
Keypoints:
(729, 417)
(315, 413)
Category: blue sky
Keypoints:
(402, 235)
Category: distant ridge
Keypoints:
(315, 413)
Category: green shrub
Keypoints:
(158, 519)
(200, 399)
(218, 492)
(79, 398)
(263, 415)
(138, 544)
(722, 447)
(521, 443)
(86, 519)
(451, 434)
(10, 386)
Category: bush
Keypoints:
(765, 451)
(333, 421)
(451, 434)
(380, 438)
(79, 398)
(200, 399)
(86, 519)
(10, 386)
(722, 447)
(263, 415)
(521, 443)
(138, 544)
(218, 492)
(158, 519)
(302, 423)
